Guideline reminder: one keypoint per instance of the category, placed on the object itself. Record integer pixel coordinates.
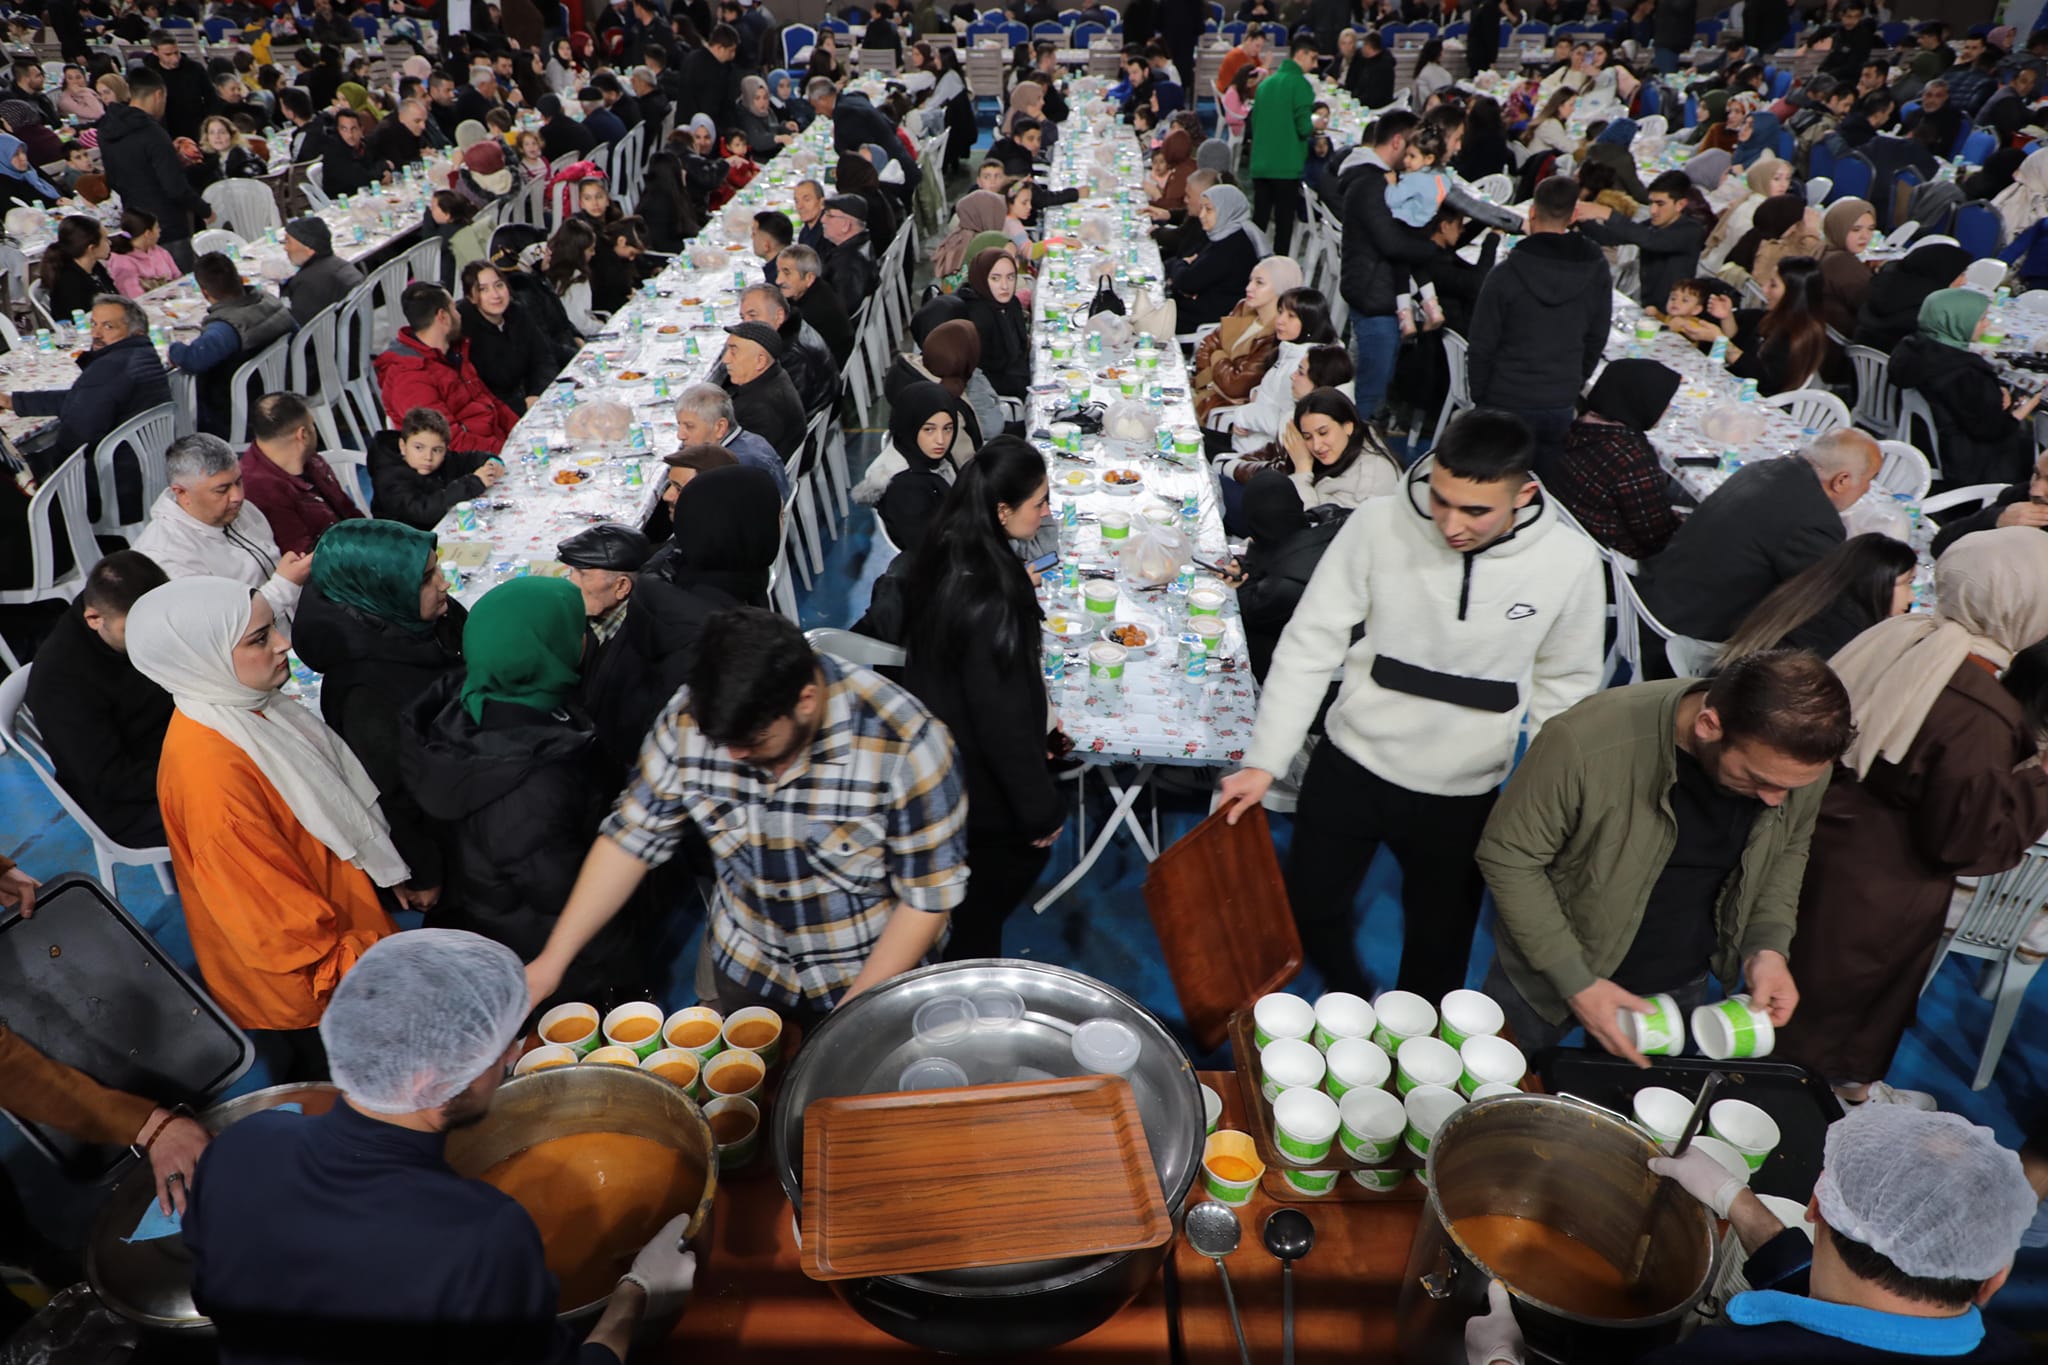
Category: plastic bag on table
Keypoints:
(601, 423)
(1130, 420)
(1114, 329)
(704, 256)
(1733, 426)
(1153, 555)
(24, 222)
(1880, 513)
(1095, 230)
(1155, 317)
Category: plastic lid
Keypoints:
(1106, 1046)
(943, 1019)
(997, 1007)
(932, 1073)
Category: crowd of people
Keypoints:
(551, 777)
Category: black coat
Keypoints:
(1377, 250)
(399, 493)
(371, 671)
(638, 670)
(1979, 440)
(771, 408)
(1372, 82)
(75, 289)
(143, 168)
(1984, 519)
(561, 136)
(1205, 288)
(1274, 584)
(1769, 522)
(1554, 286)
(348, 170)
(709, 87)
(828, 316)
(513, 358)
(851, 271)
(1668, 254)
(103, 724)
(1890, 311)
(544, 306)
(1005, 341)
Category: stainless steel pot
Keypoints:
(1580, 1169)
(863, 1047)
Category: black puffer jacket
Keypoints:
(1554, 289)
(1267, 598)
(1005, 343)
(513, 358)
(401, 493)
(371, 671)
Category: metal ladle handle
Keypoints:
(1244, 1351)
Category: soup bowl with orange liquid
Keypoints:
(601, 1156)
(733, 1074)
(636, 1026)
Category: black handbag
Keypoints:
(1105, 300)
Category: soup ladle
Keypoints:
(1212, 1230)
(1288, 1235)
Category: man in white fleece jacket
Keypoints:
(1477, 604)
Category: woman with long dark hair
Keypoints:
(568, 274)
(1301, 322)
(1485, 149)
(971, 626)
(1783, 347)
(74, 269)
(1335, 454)
(665, 205)
(614, 267)
(1864, 580)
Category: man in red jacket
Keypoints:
(429, 367)
(283, 474)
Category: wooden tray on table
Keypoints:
(982, 1175)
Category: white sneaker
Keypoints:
(1881, 1093)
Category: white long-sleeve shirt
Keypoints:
(184, 546)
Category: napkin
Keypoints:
(155, 1223)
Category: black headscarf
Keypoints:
(728, 531)
(1938, 262)
(1272, 513)
(1634, 393)
(1775, 217)
(912, 407)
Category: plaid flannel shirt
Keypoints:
(810, 867)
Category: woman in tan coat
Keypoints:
(1232, 360)
(1943, 780)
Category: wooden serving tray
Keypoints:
(982, 1175)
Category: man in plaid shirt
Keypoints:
(834, 811)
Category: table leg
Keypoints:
(1123, 811)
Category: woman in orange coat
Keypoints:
(275, 835)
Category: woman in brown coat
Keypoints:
(1232, 360)
(1944, 779)
(1169, 192)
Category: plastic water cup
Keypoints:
(1487, 1058)
(1230, 1146)
(1341, 1014)
(1661, 1032)
(636, 1026)
(1429, 1108)
(1426, 1061)
(1661, 1112)
(1746, 1128)
(1732, 1028)
(1468, 1014)
(1354, 1063)
(1281, 1015)
(1288, 1063)
(545, 1056)
(1305, 1125)
(1401, 1015)
(1370, 1124)
(555, 1027)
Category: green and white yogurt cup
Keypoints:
(1304, 1125)
(1399, 1016)
(1352, 1064)
(1429, 1108)
(1281, 1015)
(1098, 595)
(1746, 1128)
(1370, 1124)
(1341, 1014)
(1468, 1014)
(1661, 1032)
(1426, 1061)
(1286, 1064)
(1313, 1183)
(1380, 1179)
(1732, 1028)
(1487, 1058)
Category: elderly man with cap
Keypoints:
(849, 265)
(323, 279)
(561, 135)
(346, 1236)
(1913, 1227)
(705, 417)
(805, 358)
(601, 563)
(598, 117)
(764, 398)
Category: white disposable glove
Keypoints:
(1494, 1337)
(1704, 1178)
(665, 1269)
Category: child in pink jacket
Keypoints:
(138, 264)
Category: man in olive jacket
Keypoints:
(1279, 127)
(1655, 833)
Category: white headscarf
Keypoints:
(1990, 599)
(2025, 201)
(182, 637)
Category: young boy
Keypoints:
(77, 162)
(1698, 311)
(991, 177)
(416, 480)
(740, 168)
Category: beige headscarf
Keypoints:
(1990, 599)
(1027, 99)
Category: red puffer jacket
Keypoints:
(413, 374)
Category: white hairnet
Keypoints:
(1934, 1193)
(420, 1016)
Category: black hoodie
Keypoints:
(1540, 324)
(142, 167)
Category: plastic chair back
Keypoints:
(1905, 470)
(147, 436)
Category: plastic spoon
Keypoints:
(1288, 1235)
(1212, 1230)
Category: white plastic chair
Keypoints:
(1877, 401)
(1652, 125)
(315, 186)
(1991, 929)
(39, 304)
(244, 207)
(59, 504)
(1497, 188)
(311, 364)
(856, 649)
(1817, 190)
(1816, 408)
(1459, 396)
(1915, 417)
(1903, 233)
(1905, 470)
(269, 365)
(18, 729)
(1985, 276)
(1974, 498)
(1686, 655)
(148, 435)
(215, 239)
(352, 472)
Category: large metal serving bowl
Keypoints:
(562, 1101)
(862, 1048)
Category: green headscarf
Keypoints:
(523, 643)
(375, 567)
(358, 98)
(1713, 107)
(1950, 316)
(981, 242)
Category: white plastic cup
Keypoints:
(690, 1023)
(545, 1056)
(1341, 1014)
(1490, 1059)
(1731, 1160)
(1281, 1015)
(1289, 1063)
(631, 1018)
(557, 1020)
(1212, 1110)
(1100, 597)
(1354, 1063)
(1660, 1033)
(1370, 1124)
(614, 1054)
(1231, 1145)
(1661, 1112)
(1305, 1125)
(1468, 1014)
(1790, 1212)
(1426, 1061)
(1491, 1088)
(1380, 1180)
(1732, 1028)
(1401, 1015)
(1205, 602)
(749, 1021)
(1311, 1183)
(1746, 1128)
(679, 1066)
(1429, 1107)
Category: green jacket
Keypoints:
(1583, 831)
(1280, 124)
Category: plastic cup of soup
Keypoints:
(1661, 1032)
(734, 1075)
(636, 1026)
(1205, 602)
(1287, 1064)
(1426, 1061)
(1281, 1015)
(1116, 525)
(699, 1029)
(1099, 596)
(1401, 1015)
(572, 1026)
(545, 1056)
(1352, 1064)
(1230, 1166)
(676, 1064)
(1340, 1014)
(735, 1129)
(1468, 1014)
(614, 1054)
(1370, 1124)
(1489, 1059)
(1305, 1125)
(1746, 1128)
(756, 1029)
